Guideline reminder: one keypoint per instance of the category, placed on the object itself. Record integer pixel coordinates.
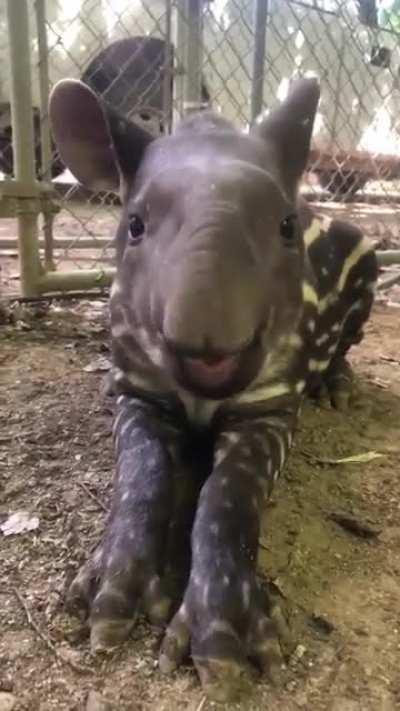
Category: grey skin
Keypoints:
(231, 301)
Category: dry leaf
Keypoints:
(100, 365)
(19, 522)
(356, 458)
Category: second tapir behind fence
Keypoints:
(231, 301)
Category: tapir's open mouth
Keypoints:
(216, 375)
(211, 372)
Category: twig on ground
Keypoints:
(46, 640)
(390, 281)
(353, 525)
(93, 496)
(201, 704)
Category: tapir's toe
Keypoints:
(83, 588)
(108, 598)
(221, 654)
(339, 382)
(111, 620)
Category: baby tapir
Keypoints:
(230, 302)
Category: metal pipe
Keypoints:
(168, 69)
(70, 243)
(193, 57)
(45, 140)
(180, 39)
(76, 281)
(23, 142)
(260, 18)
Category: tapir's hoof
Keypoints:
(339, 382)
(221, 653)
(336, 388)
(108, 600)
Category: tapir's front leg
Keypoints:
(224, 619)
(127, 565)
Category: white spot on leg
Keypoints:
(214, 529)
(196, 581)
(125, 496)
(117, 421)
(110, 560)
(310, 296)
(115, 289)
(126, 426)
(281, 446)
(246, 594)
(232, 437)
(219, 457)
(322, 339)
(221, 626)
(318, 365)
(206, 590)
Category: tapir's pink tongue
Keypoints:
(213, 372)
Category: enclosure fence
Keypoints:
(158, 60)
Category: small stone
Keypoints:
(300, 651)
(95, 702)
(7, 701)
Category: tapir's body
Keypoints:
(231, 300)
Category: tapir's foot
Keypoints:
(336, 387)
(107, 592)
(339, 381)
(224, 630)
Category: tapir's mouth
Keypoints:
(216, 375)
(212, 372)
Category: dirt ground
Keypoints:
(341, 585)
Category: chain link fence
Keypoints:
(154, 60)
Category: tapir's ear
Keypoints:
(94, 142)
(288, 130)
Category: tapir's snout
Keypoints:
(213, 314)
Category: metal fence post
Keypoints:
(168, 69)
(258, 64)
(23, 144)
(45, 141)
(193, 57)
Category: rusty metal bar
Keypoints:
(23, 143)
(258, 64)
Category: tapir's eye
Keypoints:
(136, 229)
(288, 229)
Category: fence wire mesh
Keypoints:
(132, 53)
